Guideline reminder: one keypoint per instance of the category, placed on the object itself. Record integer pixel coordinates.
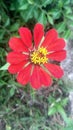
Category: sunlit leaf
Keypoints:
(52, 111)
(5, 67)
(50, 19)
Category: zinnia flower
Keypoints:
(31, 57)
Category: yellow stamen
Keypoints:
(43, 50)
(39, 56)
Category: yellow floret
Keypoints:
(39, 56)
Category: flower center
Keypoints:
(39, 56)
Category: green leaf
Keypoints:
(68, 10)
(66, 2)
(60, 27)
(7, 23)
(30, 1)
(50, 19)
(36, 13)
(67, 34)
(12, 91)
(5, 67)
(23, 7)
(52, 111)
(64, 102)
(70, 24)
(42, 18)
(69, 16)
(46, 2)
(19, 5)
(63, 114)
(28, 14)
(14, 27)
(2, 32)
(55, 13)
(60, 3)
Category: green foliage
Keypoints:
(57, 105)
(54, 13)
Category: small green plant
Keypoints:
(58, 106)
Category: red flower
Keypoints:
(32, 60)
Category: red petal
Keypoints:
(35, 78)
(59, 44)
(45, 78)
(40, 78)
(15, 57)
(26, 36)
(38, 33)
(55, 70)
(58, 56)
(17, 45)
(24, 75)
(14, 68)
(50, 37)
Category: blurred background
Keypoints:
(22, 108)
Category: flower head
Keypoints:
(32, 60)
